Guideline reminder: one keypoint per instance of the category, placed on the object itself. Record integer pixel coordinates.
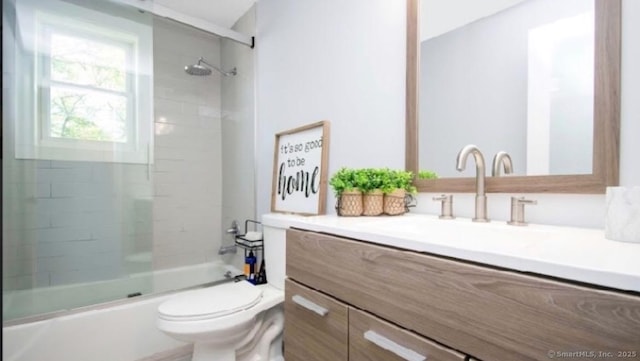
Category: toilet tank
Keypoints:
(274, 227)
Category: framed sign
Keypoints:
(300, 170)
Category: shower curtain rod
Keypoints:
(165, 12)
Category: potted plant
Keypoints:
(395, 191)
(345, 183)
(373, 179)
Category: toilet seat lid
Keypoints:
(211, 302)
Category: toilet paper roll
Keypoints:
(623, 214)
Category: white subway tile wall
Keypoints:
(70, 222)
(188, 152)
(238, 127)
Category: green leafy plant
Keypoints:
(345, 180)
(373, 179)
(427, 174)
(367, 180)
(399, 179)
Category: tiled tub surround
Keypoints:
(238, 127)
(187, 173)
(576, 254)
(74, 222)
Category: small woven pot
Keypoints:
(373, 203)
(394, 202)
(350, 204)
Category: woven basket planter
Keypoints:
(350, 204)
(394, 202)
(373, 203)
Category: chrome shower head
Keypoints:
(197, 69)
(201, 70)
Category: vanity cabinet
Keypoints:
(373, 339)
(316, 325)
(489, 313)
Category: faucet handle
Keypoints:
(446, 210)
(517, 210)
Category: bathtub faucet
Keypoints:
(234, 228)
(230, 249)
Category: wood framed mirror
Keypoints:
(606, 117)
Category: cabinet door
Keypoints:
(315, 326)
(372, 339)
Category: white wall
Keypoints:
(306, 57)
(342, 61)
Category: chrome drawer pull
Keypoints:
(299, 300)
(391, 346)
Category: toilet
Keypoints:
(233, 321)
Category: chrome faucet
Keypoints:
(481, 198)
(234, 228)
(232, 248)
(504, 158)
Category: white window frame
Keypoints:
(37, 20)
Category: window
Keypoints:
(89, 92)
(90, 84)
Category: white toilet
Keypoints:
(232, 321)
(235, 321)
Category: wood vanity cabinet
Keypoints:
(319, 333)
(318, 327)
(435, 305)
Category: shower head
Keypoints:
(201, 70)
(197, 69)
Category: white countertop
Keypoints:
(578, 254)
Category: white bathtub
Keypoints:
(116, 331)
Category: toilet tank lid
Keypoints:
(211, 302)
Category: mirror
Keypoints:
(557, 97)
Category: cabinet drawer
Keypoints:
(315, 327)
(372, 339)
(482, 311)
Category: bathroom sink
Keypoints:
(580, 254)
(452, 230)
(493, 237)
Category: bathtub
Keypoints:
(122, 330)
